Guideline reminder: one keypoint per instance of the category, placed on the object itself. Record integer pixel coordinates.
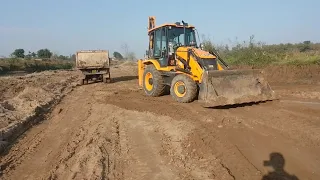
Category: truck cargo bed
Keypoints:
(92, 59)
(94, 65)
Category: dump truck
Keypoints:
(176, 60)
(94, 65)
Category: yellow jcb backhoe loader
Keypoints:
(174, 59)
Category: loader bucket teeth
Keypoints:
(229, 87)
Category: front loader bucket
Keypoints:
(227, 87)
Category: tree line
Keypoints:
(47, 54)
(41, 53)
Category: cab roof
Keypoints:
(171, 24)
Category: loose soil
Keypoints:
(113, 131)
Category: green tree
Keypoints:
(28, 56)
(33, 54)
(63, 57)
(117, 55)
(305, 46)
(44, 53)
(18, 53)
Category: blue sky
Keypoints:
(65, 26)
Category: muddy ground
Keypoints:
(113, 131)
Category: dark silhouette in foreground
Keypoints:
(277, 162)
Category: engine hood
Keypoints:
(203, 54)
(198, 52)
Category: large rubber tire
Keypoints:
(153, 82)
(183, 89)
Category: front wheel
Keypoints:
(153, 82)
(183, 89)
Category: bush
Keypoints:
(259, 54)
(7, 65)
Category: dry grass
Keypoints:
(14, 64)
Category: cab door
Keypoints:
(158, 46)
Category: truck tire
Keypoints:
(153, 82)
(183, 89)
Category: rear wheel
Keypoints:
(153, 82)
(183, 89)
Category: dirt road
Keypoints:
(113, 131)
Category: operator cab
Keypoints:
(164, 41)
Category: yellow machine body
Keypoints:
(174, 60)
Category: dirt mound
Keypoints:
(23, 98)
(302, 74)
(290, 74)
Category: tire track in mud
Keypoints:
(26, 147)
(201, 165)
(218, 132)
(19, 156)
(88, 141)
(156, 151)
(294, 122)
(39, 137)
(93, 151)
(108, 142)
